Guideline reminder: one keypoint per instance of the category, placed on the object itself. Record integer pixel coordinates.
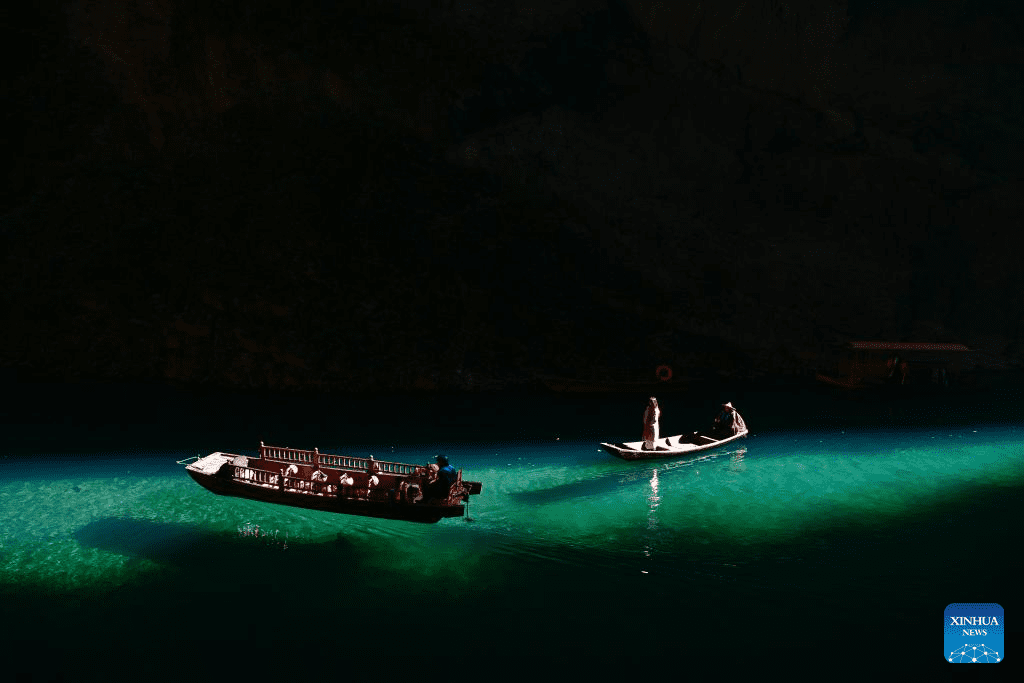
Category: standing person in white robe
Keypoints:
(651, 427)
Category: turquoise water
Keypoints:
(568, 554)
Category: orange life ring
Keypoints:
(664, 373)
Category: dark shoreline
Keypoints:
(48, 417)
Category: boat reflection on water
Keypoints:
(604, 481)
(736, 463)
(734, 457)
(653, 500)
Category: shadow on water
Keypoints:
(185, 546)
(213, 590)
(843, 571)
(624, 475)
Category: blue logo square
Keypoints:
(972, 633)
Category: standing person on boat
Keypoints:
(651, 428)
(441, 486)
(728, 423)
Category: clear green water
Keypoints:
(567, 549)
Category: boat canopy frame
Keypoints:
(315, 458)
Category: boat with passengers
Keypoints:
(334, 483)
(680, 446)
(729, 426)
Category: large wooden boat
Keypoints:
(332, 483)
(680, 446)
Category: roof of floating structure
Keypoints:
(906, 346)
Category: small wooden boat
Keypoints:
(332, 483)
(671, 446)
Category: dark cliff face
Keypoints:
(367, 196)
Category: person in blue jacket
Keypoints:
(441, 486)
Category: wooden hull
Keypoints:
(216, 473)
(677, 447)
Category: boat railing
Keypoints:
(286, 454)
(266, 479)
(269, 479)
(309, 486)
(314, 456)
(254, 476)
(345, 462)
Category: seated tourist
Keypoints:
(288, 474)
(318, 477)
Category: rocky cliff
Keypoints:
(380, 196)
